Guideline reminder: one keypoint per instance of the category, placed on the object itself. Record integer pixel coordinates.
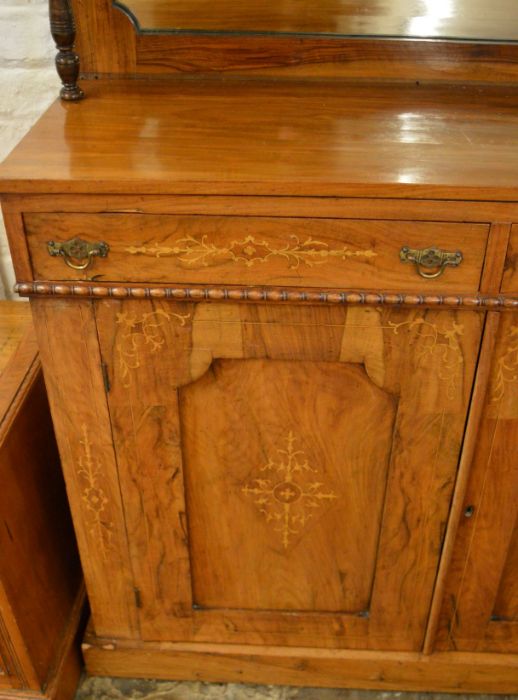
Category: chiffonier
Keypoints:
(274, 277)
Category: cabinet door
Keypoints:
(286, 471)
(480, 610)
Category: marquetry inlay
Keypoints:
(139, 333)
(288, 495)
(438, 342)
(250, 250)
(506, 366)
(93, 495)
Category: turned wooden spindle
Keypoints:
(63, 32)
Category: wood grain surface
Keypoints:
(83, 431)
(479, 611)
(251, 250)
(442, 672)
(510, 281)
(41, 591)
(15, 323)
(160, 55)
(326, 138)
(495, 260)
(14, 206)
(109, 44)
(262, 485)
(469, 446)
(311, 481)
(185, 378)
(462, 19)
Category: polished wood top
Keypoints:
(274, 137)
(15, 323)
(466, 19)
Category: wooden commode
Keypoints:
(276, 297)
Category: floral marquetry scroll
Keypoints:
(287, 491)
(93, 495)
(142, 332)
(250, 250)
(438, 341)
(505, 377)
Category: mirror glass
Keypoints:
(482, 20)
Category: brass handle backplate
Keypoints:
(433, 259)
(78, 254)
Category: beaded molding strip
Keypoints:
(260, 294)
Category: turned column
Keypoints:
(63, 32)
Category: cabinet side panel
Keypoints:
(73, 373)
(39, 564)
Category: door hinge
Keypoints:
(138, 597)
(106, 378)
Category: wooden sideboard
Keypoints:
(290, 451)
(41, 590)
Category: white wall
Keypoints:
(28, 85)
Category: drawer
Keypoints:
(510, 281)
(339, 253)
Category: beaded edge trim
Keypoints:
(253, 294)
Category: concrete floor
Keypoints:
(95, 688)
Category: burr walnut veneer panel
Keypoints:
(480, 606)
(306, 474)
(303, 533)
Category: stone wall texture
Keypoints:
(28, 85)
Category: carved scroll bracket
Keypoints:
(63, 32)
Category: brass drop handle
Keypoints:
(430, 259)
(78, 254)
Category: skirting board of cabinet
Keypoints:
(442, 672)
(64, 676)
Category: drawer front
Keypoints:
(339, 253)
(510, 281)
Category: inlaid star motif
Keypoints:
(288, 498)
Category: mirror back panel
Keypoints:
(413, 40)
(465, 20)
